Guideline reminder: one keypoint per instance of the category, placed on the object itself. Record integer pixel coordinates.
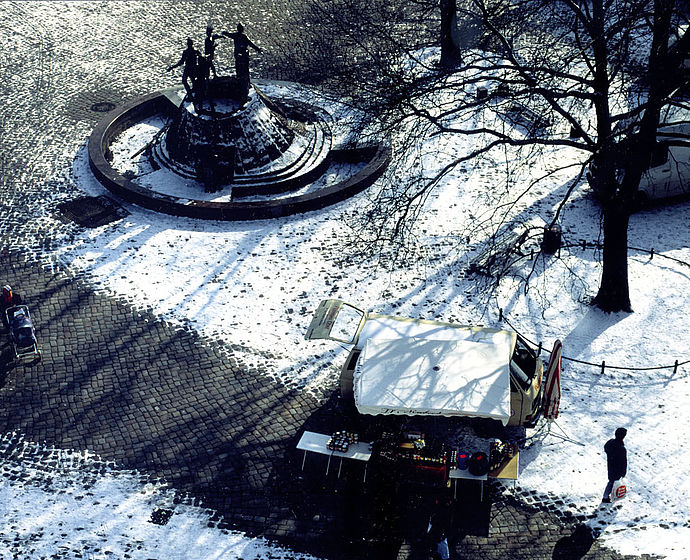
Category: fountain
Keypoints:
(228, 148)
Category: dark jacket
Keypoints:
(616, 458)
(441, 522)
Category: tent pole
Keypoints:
(562, 435)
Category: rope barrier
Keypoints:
(602, 365)
(583, 244)
(596, 245)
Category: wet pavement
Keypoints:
(157, 397)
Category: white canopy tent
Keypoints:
(421, 376)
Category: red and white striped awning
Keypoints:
(552, 391)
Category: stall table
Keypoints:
(455, 474)
(317, 443)
(508, 470)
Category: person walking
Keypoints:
(616, 461)
(9, 298)
(439, 529)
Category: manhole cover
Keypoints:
(103, 106)
(91, 212)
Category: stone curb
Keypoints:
(143, 107)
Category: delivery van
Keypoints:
(407, 366)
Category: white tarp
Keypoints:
(388, 327)
(415, 376)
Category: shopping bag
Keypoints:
(619, 491)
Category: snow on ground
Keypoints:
(255, 284)
(68, 504)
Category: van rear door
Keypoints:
(336, 320)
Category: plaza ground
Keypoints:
(209, 417)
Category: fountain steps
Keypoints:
(295, 174)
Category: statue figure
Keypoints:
(201, 79)
(189, 58)
(241, 42)
(210, 48)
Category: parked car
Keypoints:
(667, 177)
(667, 174)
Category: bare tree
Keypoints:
(595, 75)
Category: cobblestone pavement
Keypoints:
(156, 397)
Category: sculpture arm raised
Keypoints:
(179, 63)
(252, 45)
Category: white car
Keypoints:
(667, 177)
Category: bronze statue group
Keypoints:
(198, 68)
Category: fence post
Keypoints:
(539, 350)
(675, 367)
(603, 366)
(500, 314)
(651, 254)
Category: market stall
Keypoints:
(411, 458)
(414, 376)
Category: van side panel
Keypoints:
(516, 405)
(347, 375)
(525, 401)
(530, 400)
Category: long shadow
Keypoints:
(584, 536)
(576, 545)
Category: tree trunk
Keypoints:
(614, 294)
(450, 53)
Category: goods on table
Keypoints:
(459, 460)
(478, 464)
(501, 452)
(340, 441)
(433, 463)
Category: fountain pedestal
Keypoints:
(228, 133)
